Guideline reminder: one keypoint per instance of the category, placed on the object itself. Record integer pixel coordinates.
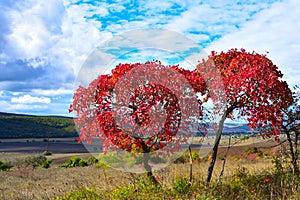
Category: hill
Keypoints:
(233, 128)
(30, 126)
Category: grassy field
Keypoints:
(53, 182)
(244, 178)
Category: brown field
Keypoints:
(52, 182)
(26, 183)
(35, 146)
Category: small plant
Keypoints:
(113, 159)
(5, 166)
(92, 160)
(74, 162)
(34, 161)
(47, 153)
(46, 164)
(182, 185)
(81, 194)
(195, 156)
(124, 192)
(253, 150)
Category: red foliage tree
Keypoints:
(252, 87)
(140, 108)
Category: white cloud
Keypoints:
(1, 93)
(48, 33)
(275, 30)
(28, 99)
(17, 107)
(60, 34)
(57, 92)
(215, 17)
(79, 37)
(34, 28)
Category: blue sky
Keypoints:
(43, 44)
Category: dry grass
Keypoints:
(48, 183)
(25, 183)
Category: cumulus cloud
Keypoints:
(28, 99)
(56, 92)
(43, 44)
(49, 34)
(214, 18)
(275, 30)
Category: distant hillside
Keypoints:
(29, 126)
(231, 128)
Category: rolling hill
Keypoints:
(30, 126)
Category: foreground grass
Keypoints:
(255, 179)
(240, 184)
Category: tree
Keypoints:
(291, 128)
(140, 108)
(252, 89)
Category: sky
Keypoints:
(43, 44)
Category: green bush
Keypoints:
(252, 150)
(74, 162)
(115, 160)
(5, 166)
(34, 161)
(195, 156)
(82, 163)
(92, 160)
(182, 186)
(185, 158)
(125, 192)
(47, 153)
(46, 164)
(82, 194)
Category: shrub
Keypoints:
(47, 153)
(74, 162)
(5, 166)
(185, 158)
(46, 164)
(182, 185)
(125, 192)
(113, 159)
(82, 163)
(253, 150)
(195, 156)
(34, 161)
(81, 194)
(92, 160)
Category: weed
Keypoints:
(74, 162)
(5, 166)
(182, 185)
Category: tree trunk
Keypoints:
(293, 153)
(224, 162)
(216, 146)
(191, 164)
(148, 168)
(297, 132)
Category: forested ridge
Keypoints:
(30, 126)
